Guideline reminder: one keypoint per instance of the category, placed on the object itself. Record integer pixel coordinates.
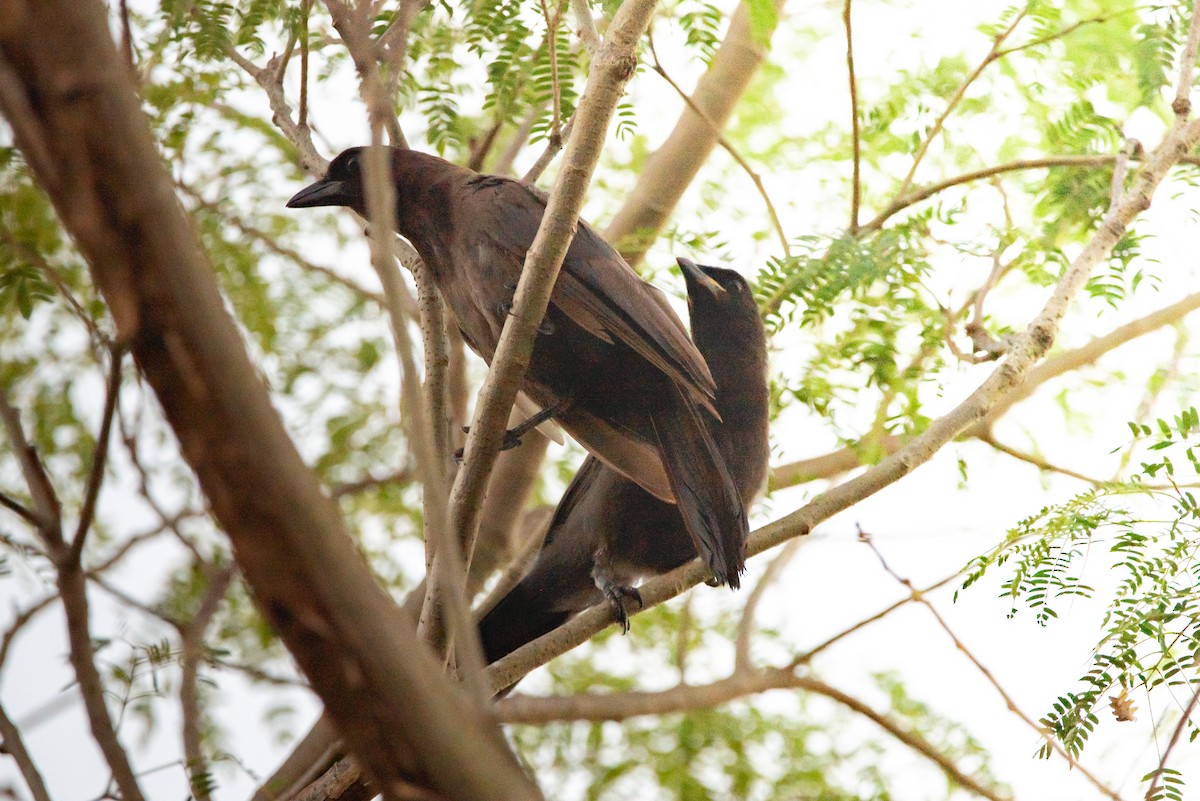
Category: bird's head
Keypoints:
(708, 286)
(341, 186)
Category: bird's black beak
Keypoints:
(325, 192)
(695, 273)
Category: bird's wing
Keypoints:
(577, 490)
(706, 496)
(596, 288)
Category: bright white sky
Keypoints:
(927, 526)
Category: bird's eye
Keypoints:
(352, 164)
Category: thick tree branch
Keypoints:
(110, 189)
(612, 67)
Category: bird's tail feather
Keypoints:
(708, 500)
(519, 618)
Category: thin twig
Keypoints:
(51, 274)
(856, 186)
(918, 195)
(1158, 772)
(45, 500)
(808, 655)
(273, 245)
(746, 625)
(15, 506)
(986, 673)
(1040, 463)
(402, 476)
(504, 164)
(299, 135)
(99, 457)
(725, 143)
(552, 49)
(191, 657)
(553, 145)
(936, 128)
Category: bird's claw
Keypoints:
(617, 594)
(511, 440)
(546, 328)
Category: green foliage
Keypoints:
(1148, 537)
(867, 298)
(701, 22)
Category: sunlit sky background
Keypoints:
(927, 526)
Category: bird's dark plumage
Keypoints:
(608, 532)
(637, 393)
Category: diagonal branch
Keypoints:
(992, 55)
(99, 457)
(381, 684)
(729, 148)
(987, 674)
(849, 458)
(612, 67)
(673, 167)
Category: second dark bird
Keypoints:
(608, 533)
(613, 360)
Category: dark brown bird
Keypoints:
(613, 360)
(608, 533)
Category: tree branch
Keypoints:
(917, 195)
(745, 629)
(14, 746)
(987, 674)
(683, 698)
(992, 55)
(856, 138)
(1157, 774)
(192, 646)
(99, 457)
